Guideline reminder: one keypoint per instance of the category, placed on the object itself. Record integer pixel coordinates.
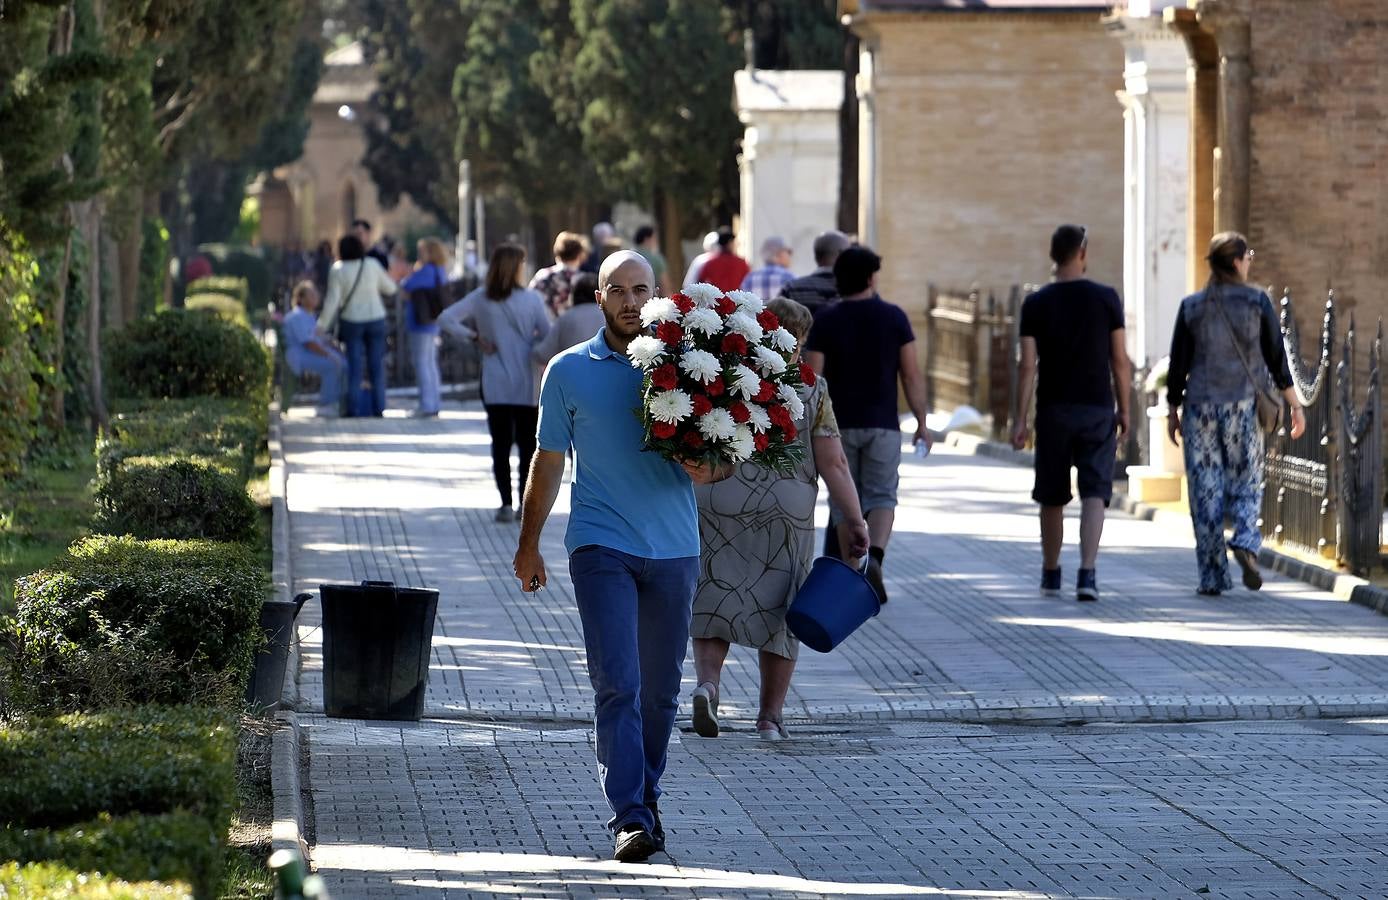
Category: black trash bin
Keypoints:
(376, 643)
(266, 686)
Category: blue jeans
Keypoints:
(328, 368)
(366, 358)
(635, 616)
(424, 348)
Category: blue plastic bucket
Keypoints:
(834, 600)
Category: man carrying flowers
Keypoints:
(633, 544)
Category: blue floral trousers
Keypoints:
(1224, 473)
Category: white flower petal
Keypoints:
(659, 309)
(700, 365)
(745, 325)
(742, 445)
(791, 398)
(782, 340)
(703, 294)
(645, 351)
(670, 406)
(760, 420)
(747, 301)
(705, 320)
(746, 382)
(769, 361)
(717, 425)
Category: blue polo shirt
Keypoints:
(624, 497)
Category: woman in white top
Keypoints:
(356, 284)
(506, 320)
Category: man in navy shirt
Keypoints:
(863, 345)
(1074, 329)
(633, 543)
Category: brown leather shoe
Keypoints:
(1248, 562)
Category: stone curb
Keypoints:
(1343, 585)
(287, 831)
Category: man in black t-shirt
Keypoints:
(1074, 328)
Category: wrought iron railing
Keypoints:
(1361, 487)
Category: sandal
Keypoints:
(769, 730)
(706, 710)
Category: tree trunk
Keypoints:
(848, 137)
(671, 230)
(90, 223)
(128, 259)
(55, 411)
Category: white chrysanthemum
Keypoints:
(700, 365)
(745, 325)
(768, 360)
(717, 425)
(706, 320)
(746, 382)
(742, 445)
(659, 309)
(760, 420)
(645, 351)
(702, 294)
(747, 301)
(791, 399)
(782, 340)
(670, 406)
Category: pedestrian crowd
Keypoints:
(661, 553)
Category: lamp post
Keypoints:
(464, 190)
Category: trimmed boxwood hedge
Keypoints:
(181, 415)
(55, 882)
(188, 353)
(230, 285)
(149, 759)
(173, 497)
(223, 305)
(176, 846)
(119, 621)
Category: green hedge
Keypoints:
(221, 284)
(19, 367)
(222, 305)
(118, 621)
(188, 353)
(176, 497)
(183, 415)
(149, 759)
(242, 262)
(176, 846)
(55, 882)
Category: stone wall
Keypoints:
(1319, 175)
(991, 129)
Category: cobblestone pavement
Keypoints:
(910, 772)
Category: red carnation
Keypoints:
(790, 432)
(665, 377)
(767, 319)
(767, 391)
(734, 343)
(701, 404)
(761, 442)
(682, 303)
(740, 412)
(669, 332)
(726, 306)
(662, 430)
(716, 387)
(780, 416)
(693, 439)
(807, 374)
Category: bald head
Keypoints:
(620, 259)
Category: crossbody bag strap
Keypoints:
(1218, 300)
(351, 292)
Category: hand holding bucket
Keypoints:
(832, 603)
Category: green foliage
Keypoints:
(188, 353)
(176, 497)
(154, 264)
(148, 759)
(795, 34)
(19, 366)
(57, 882)
(42, 511)
(230, 432)
(221, 284)
(172, 847)
(248, 221)
(117, 621)
(242, 262)
(228, 308)
(190, 414)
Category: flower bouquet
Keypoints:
(718, 386)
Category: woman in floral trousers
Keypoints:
(1224, 334)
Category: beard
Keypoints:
(622, 330)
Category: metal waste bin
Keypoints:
(266, 685)
(376, 645)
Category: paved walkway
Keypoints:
(930, 754)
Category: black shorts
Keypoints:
(1084, 437)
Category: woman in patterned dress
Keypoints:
(757, 534)
(1223, 335)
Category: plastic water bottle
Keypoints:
(922, 449)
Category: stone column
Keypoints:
(1231, 32)
(868, 174)
(1157, 181)
(1202, 76)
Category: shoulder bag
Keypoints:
(429, 301)
(1269, 403)
(347, 298)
